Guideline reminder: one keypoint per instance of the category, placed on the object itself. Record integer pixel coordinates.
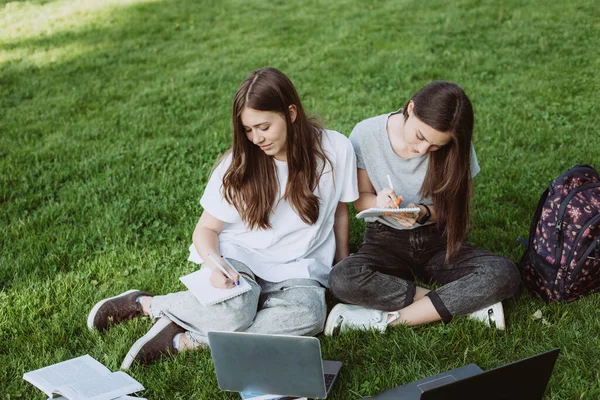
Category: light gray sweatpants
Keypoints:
(291, 307)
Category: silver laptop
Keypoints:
(271, 364)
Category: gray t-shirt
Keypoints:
(374, 153)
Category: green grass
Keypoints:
(113, 112)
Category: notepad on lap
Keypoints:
(383, 212)
(198, 283)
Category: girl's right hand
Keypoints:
(219, 280)
(387, 198)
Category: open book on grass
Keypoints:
(82, 378)
(198, 283)
(386, 212)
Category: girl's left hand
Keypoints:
(407, 219)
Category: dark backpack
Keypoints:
(562, 260)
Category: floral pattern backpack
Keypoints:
(562, 260)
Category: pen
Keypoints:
(390, 182)
(397, 202)
(223, 270)
(232, 267)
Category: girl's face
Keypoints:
(421, 138)
(267, 130)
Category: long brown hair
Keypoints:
(251, 184)
(446, 108)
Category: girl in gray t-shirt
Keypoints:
(425, 152)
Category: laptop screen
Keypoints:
(522, 380)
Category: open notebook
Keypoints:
(386, 212)
(198, 283)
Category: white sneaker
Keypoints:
(346, 316)
(492, 316)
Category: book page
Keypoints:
(198, 283)
(81, 368)
(108, 388)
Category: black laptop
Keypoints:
(525, 379)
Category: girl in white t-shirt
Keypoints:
(275, 208)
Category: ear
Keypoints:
(411, 107)
(293, 112)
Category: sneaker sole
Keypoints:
(161, 324)
(332, 318)
(92, 314)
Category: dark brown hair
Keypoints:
(445, 107)
(251, 184)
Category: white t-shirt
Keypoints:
(291, 248)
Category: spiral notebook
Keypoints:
(198, 283)
(385, 212)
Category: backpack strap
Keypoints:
(523, 242)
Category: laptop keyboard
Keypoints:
(329, 380)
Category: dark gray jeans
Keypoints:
(381, 274)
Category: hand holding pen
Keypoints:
(405, 219)
(387, 198)
(223, 276)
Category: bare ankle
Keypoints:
(186, 343)
(145, 302)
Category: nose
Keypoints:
(423, 147)
(256, 137)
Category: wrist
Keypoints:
(424, 215)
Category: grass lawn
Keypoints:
(112, 113)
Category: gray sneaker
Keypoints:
(115, 309)
(158, 342)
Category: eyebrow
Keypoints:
(259, 124)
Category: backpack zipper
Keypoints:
(580, 264)
(561, 212)
(578, 238)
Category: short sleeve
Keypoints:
(355, 140)
(474, 164)
(349, 192)
(212, 199)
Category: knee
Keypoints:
(237, 313)
(342, 280)
(513, 277)
(315, 315)
(507, 275)
(315, 321)
(305, 310)
(234, 321)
